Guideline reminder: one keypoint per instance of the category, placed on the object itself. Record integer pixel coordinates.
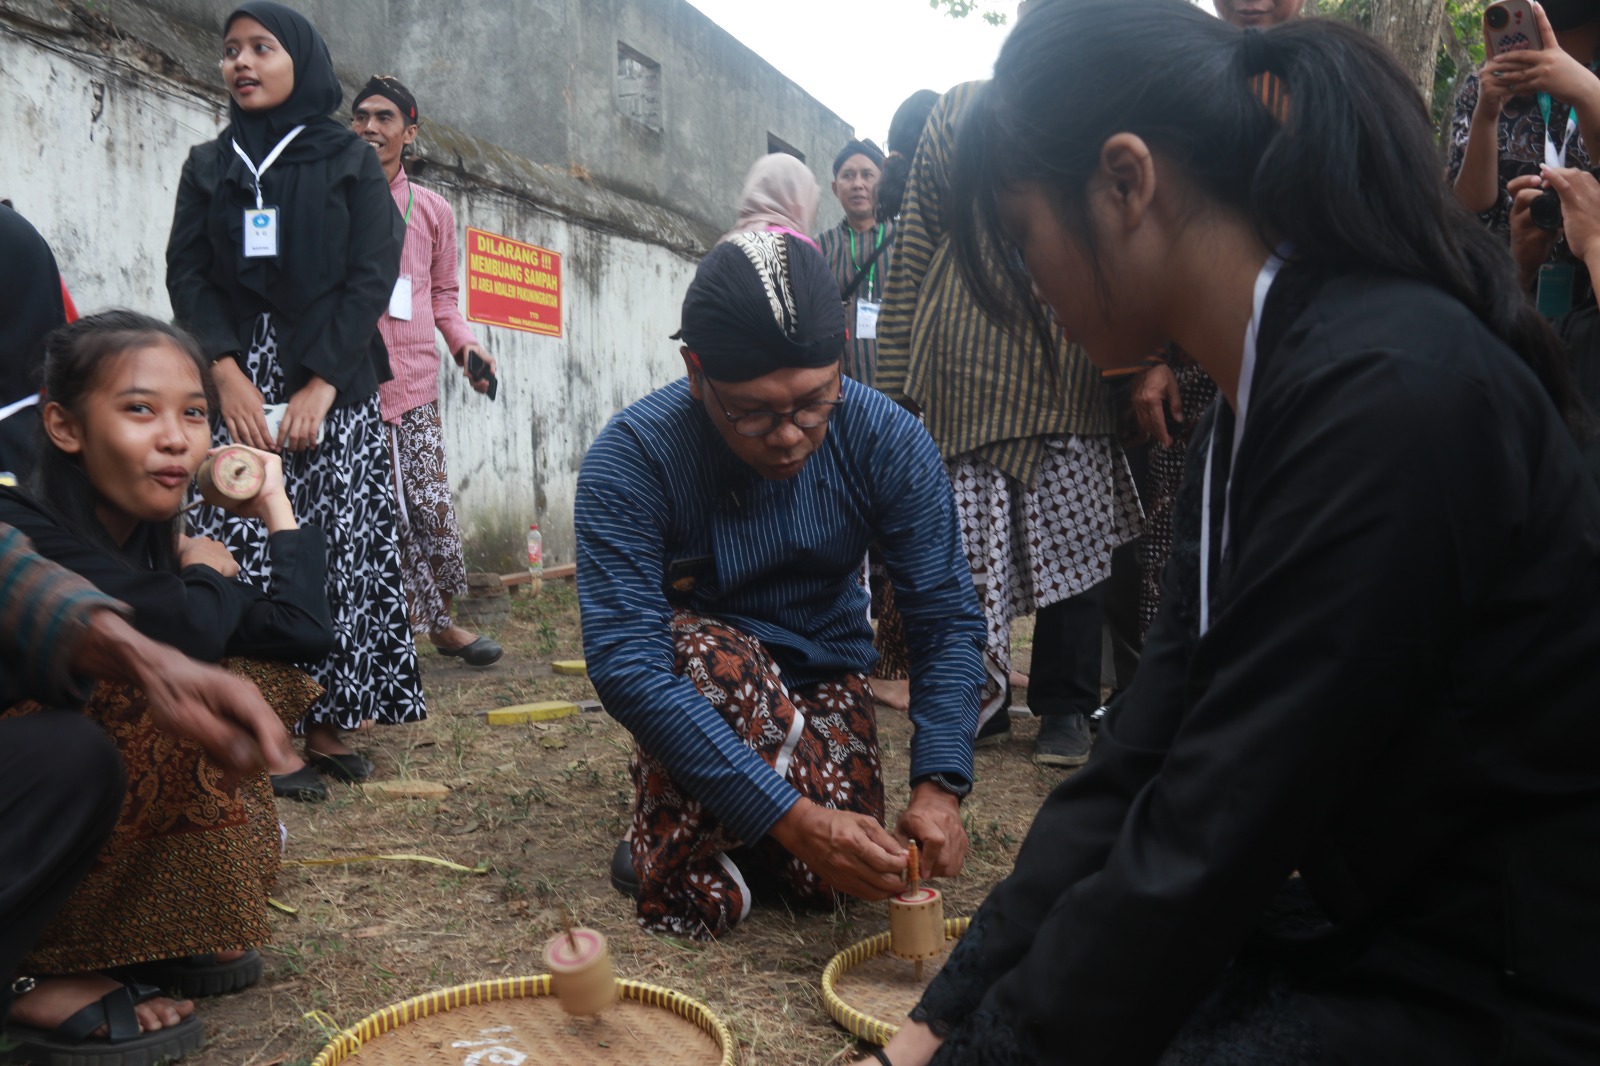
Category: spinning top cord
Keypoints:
(566, 924)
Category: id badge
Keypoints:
(400, 299)
(260, 232)
(866, 320)
(1556, 282)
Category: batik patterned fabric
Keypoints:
(430, 538)
(822, 740)
(192, 861)
(1030, 548)
(1196, 391)
(345, 486)
(894, 656)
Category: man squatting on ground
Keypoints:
(61, 783)
(426, 297)
(721, 523)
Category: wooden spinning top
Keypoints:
(580, 970)
(232, 474)
(916, 921)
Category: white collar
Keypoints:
(1247, 373)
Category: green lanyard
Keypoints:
(1552, 156)
(411, 198)
(872, 271)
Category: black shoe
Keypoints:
(352, 769)
(305, 785)
(995, 732)
(623, 879)
(1063, 740)
(481, 652)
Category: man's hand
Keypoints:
(933, 820)
(1155, 391)
(1531, 245)
(222, 713)
(242, 406)
(850, 852)
(303, 420)
(480, 384)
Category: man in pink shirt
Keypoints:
(426, 298)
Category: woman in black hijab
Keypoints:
(30, 307)
(285, 249)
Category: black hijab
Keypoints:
(30, 305)
(762, 302)
(298, 183)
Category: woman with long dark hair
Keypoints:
(1348, 810)
(284, 251)
(178, 897)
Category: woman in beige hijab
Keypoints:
(779, 194)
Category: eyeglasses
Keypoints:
(760, 423)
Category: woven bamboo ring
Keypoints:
(861, 1025)
(374, 1025)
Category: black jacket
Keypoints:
(1398, 697)
(197, 610)
(333, 329)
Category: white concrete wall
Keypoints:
(91, 147)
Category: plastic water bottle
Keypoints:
(535, 560)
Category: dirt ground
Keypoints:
(543, 805)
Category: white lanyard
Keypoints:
(272, 157)
(1247, 372)
(1554, 159)
(12, 408)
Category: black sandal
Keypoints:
(197, 975)
(123, 1045)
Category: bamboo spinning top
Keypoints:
(580, 969)
(916, 920)
(234, 473)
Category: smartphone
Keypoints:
(1509, 26)
(478, 370)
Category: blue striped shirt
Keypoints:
(662, 499)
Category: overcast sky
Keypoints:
(862, 57)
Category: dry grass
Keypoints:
(545, 805)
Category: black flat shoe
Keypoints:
(305, 785)
(623, 879)
(481, 652)
(352, 769)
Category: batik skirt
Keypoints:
(344, 486)
(190, 864)
(1032, 547)
(821, 738)
(430, 537)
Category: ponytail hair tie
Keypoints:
(1265, 85)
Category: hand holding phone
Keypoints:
(478, 369)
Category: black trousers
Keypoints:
(61, 792)
(1065, 674)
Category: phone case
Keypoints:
(1521, 31)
